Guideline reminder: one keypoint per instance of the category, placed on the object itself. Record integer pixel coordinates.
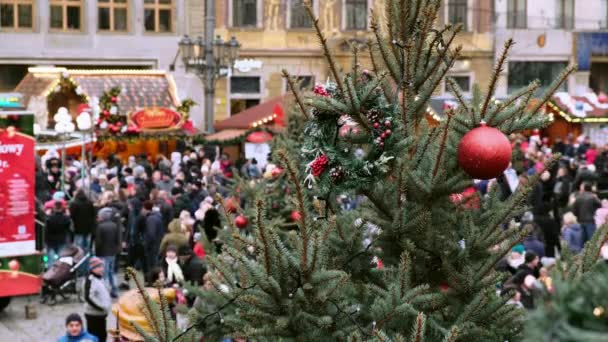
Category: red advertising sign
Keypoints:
(157, 118)
(17, 186)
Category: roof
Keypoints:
(247, 118)
(580, 108)
(141, 88)
(224, 135)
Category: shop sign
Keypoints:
(246, 65)
(157, 118)
(590, 44)
(11, 100)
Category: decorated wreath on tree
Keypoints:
(111, 120)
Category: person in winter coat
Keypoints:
(75, 332)
(57, 231)
(175, 237)
(82, 213)
(601, 215)
(572, 232)
(152, 235)
(585, 205)
(532, 243)
(192, 266)
(173, 274)
(97, 303)
(108, 243)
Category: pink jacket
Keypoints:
(601, 215)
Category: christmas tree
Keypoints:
(368, 132)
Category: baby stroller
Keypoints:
(62, 277)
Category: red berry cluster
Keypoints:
(318, 165)
(382, 132)
(320, 90)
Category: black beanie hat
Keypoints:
(74, 317)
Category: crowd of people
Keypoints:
(160, 214)
(157, 216)
(564, 208)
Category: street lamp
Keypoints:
(209, 59)
(64, 127)
(85, 124)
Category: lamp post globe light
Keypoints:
(209, 59)
(64, 127)
(85, 124)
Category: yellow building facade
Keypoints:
(277, 35)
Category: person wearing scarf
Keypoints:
(171, 269)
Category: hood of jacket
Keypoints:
(175, 226)
(105, 214)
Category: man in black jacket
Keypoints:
(82, 213)
(584, 208)
(108, 242)
(192, 267)
(57, 231)
(152, 235)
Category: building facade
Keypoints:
(95, 34)
(278, 34)
(549, 35)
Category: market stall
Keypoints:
(586, 114)
(133, 111)
(249, 131)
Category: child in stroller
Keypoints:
(62, 277)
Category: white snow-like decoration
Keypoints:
(592, 98)
(576, 108)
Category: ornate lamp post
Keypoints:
(209, 59)
(85, 124)
(64, 128)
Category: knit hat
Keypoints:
(59, 196)
(94, 263)
(73, 317)
(519, 249)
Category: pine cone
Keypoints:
(337, 174)
(373, 115)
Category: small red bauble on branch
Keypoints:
(484, 152)
(295, 216)
(318, 165)
(230, 205)
(113, 99)
(241, 222)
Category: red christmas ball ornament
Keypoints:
(376, 125)
(388, 132)
(387, 124)
(484, 152)
(381, 144)
(230, 205)
(469, 198)
(241, 222)
(444, 287)
(13, 265)
(295, 216)
(383, 135)
(320, 90)
(113, 99)
(276, 172)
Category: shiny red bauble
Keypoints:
(241, 222)
(295, 216)
(276, 172)
(13, 265)
(484, 152)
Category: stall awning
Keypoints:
(225, 135)
(269, 113)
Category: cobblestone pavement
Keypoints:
(48, 326)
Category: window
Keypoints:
(355, 14)
(112, 15)
(463, 81)
(245, 84)
(517, 14)
(158, 15)
(564, 16)
(66, 15)
(522, 73)
(302, 82)
(604, 16)
(457, 13)
(244, 13)
(16, 14)
(245, 92)
(298, 15)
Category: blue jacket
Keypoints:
(83, 337)
(573, 234)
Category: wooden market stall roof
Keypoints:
(586, 108)
(255, 116)
(141, 88)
